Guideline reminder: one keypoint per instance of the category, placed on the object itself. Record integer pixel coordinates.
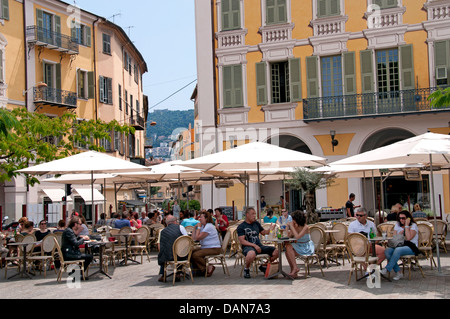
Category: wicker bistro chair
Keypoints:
(220, 259)
(66, 263)
(385, 227)
(442, 234)
(182, 251)
(425, 242)
(358, 247)
(142, 243)
(409, 260)
(47, 254)
(337, 245)
(317, 236)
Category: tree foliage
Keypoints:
(440, 98)
(309, 181)
(33, 138)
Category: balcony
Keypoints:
(369, 105)
(137, 122)
(55, 97)
(51, 40)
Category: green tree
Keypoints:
(308, 182)
(34, 138)
(440, 98)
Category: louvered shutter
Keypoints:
(261, 83)
(295, 73)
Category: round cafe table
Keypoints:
(102, 245)
(24, 268)
(126, 248)
(280, 242)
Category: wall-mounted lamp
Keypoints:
(38, 86)
(334, 141)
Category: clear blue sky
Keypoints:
(164, 33)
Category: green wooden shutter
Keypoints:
(58, 76)
(367, 74)
(350, 83)
(73, 31)
(261, 83)
(238, 86)
(231, 14)
(102, 88)
(276, 12)
(281, 11)
(442, 59)
(407, 67)
(295, 74)
(40, 24)
(312, 76)
(91, 85)
(227, 86)
(270, 12)
(349, 73)
(5, 9)
(232, 86)
(326, 8)
(58, 30)
(2, 80)
(367, 79)
(88, 36)
(110, 92)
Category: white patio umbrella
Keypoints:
(255, 156)
(429, 150)
(90, 162)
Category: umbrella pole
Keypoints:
(92, 198)
(115, 197)
(259, 194)
(433, 207)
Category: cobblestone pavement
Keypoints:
(141, 281)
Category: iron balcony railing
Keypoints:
(53, 40)
(56, 97)
(368, 104)
(138, 122)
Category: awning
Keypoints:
(86, 194)
(132, 203)
(56, 195)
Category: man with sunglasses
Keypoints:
(364, 226)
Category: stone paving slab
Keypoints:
(140, 282)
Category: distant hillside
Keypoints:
(167, 122)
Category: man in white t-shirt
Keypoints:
(364, 226)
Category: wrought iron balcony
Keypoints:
(52, 40)
(137, 122)
(55, 97)
(369, 104)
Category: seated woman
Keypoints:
(418, 213)
(304, 246)
(207, 234)
(407, 226)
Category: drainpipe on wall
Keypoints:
(95, 70)
(216, 124)
(26, 51)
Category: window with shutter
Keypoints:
(276, 12)
(261, 83)
(232, 86)
(106, 43)
(332, 88)
(328, 8)
(442, 62)
(231, 14)
(5, 9)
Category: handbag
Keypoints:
(396, 241)
(272, 268)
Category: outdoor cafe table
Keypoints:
(102, 245)
(279, 242)
(126, 247)
(373, 241)
(24, 268)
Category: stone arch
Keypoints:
(290, 142)
(385, 137)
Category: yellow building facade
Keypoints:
(58, 58)
(296, 73)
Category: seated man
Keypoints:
(124, 222)
(191, 221)
(248, 233)
(364, 226)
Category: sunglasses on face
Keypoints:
(360, 215)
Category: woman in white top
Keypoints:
(407, 226)
(207, 234)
